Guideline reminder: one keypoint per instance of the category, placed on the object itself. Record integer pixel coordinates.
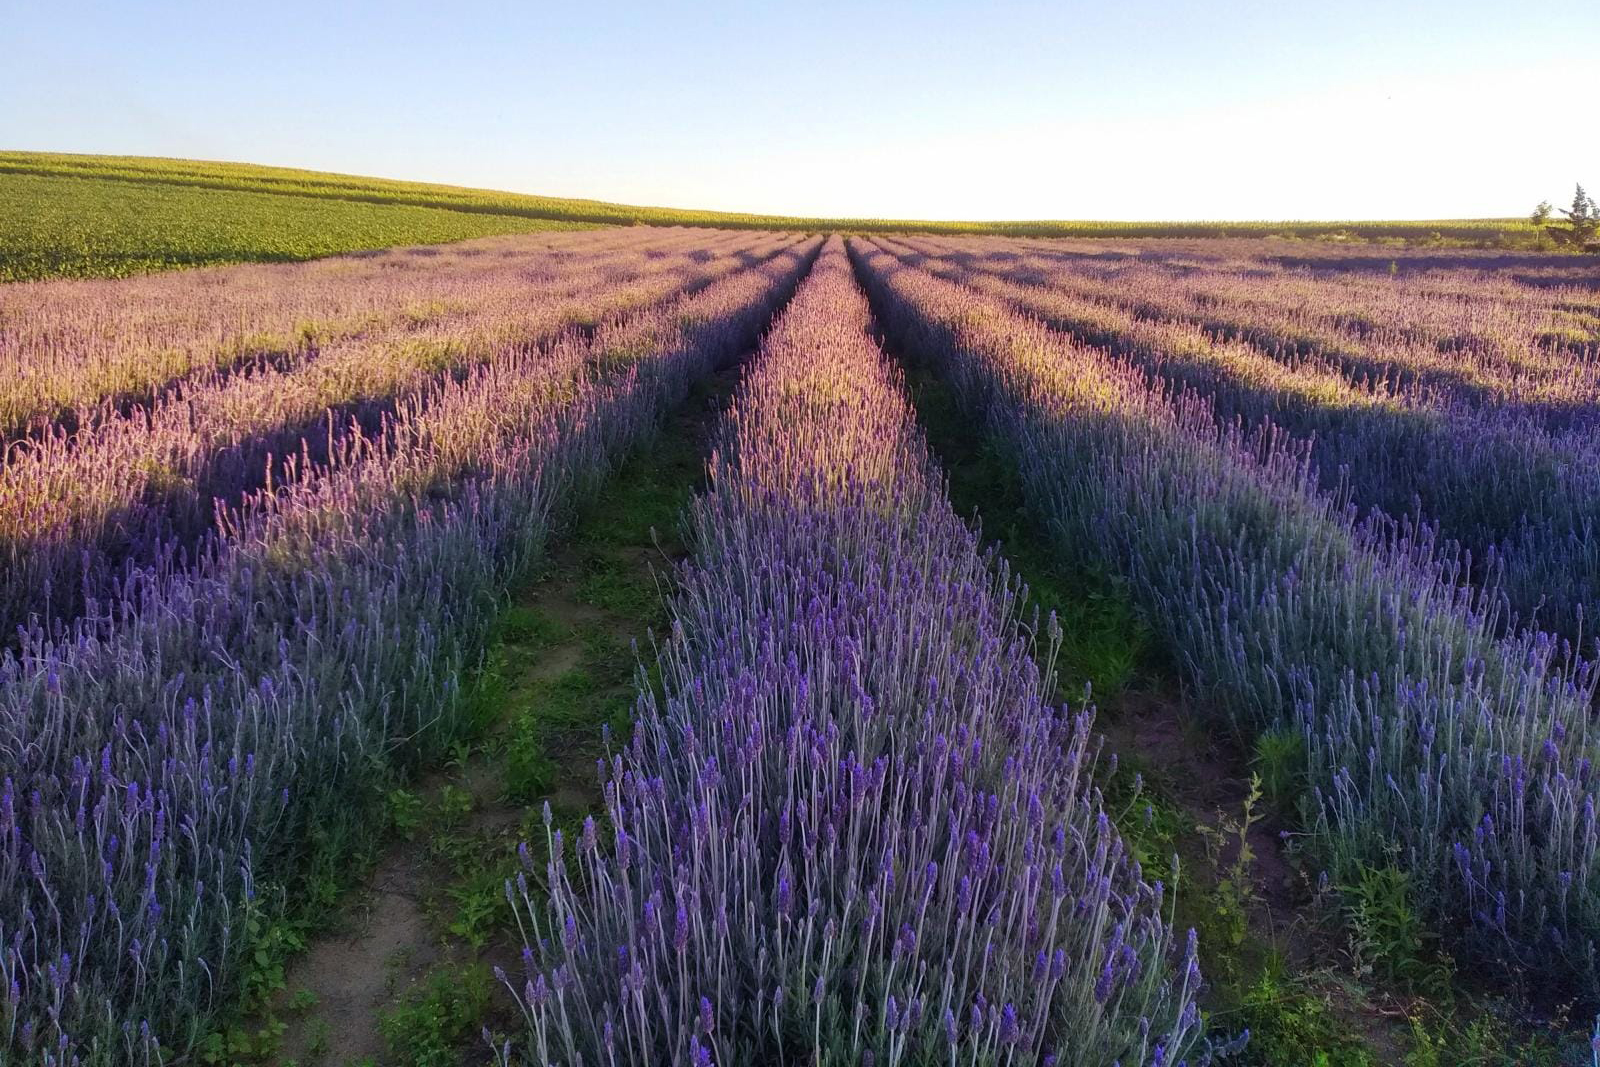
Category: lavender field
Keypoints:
(667, 646)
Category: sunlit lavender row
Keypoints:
(165, 765)
(1432, 745)
(1470, 331)
(851, 829)
(68, 346)
(144, 487)
(1523, 498)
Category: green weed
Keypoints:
(479, 902)
(529, 628)
(1388, 937)
(1234, 891)
(318, 1034)
(615, 587)
(429, 1029)
(235, 1044)
(405, 811)
(560, 703)
(1280, 762)
(453, 806)
(1292, 1025)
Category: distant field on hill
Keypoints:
(87, 226)
(88, 216)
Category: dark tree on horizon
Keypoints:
(1582, 226)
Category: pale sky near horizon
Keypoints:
(1153, 109)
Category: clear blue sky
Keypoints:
(1167, 109)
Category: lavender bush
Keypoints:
(144, 487)
(851, 830)
(166, 757)
(1472, 332)
(1522, 498)
(72, 351)
(1433, 745)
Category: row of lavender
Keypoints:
(164, 766)
(1470, 330)
(68, 348)
(1518, 493)
(1432, 745)
(1479, 340)
(851, 829)
(140, 487)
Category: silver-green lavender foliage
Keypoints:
(1434, 744)
(1468, 400)
(852, 829)
(167, 756)
(112, 484)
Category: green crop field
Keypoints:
(85, 226)
(97, 216)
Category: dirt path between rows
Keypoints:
(403, 974)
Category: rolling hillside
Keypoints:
(98, 216)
